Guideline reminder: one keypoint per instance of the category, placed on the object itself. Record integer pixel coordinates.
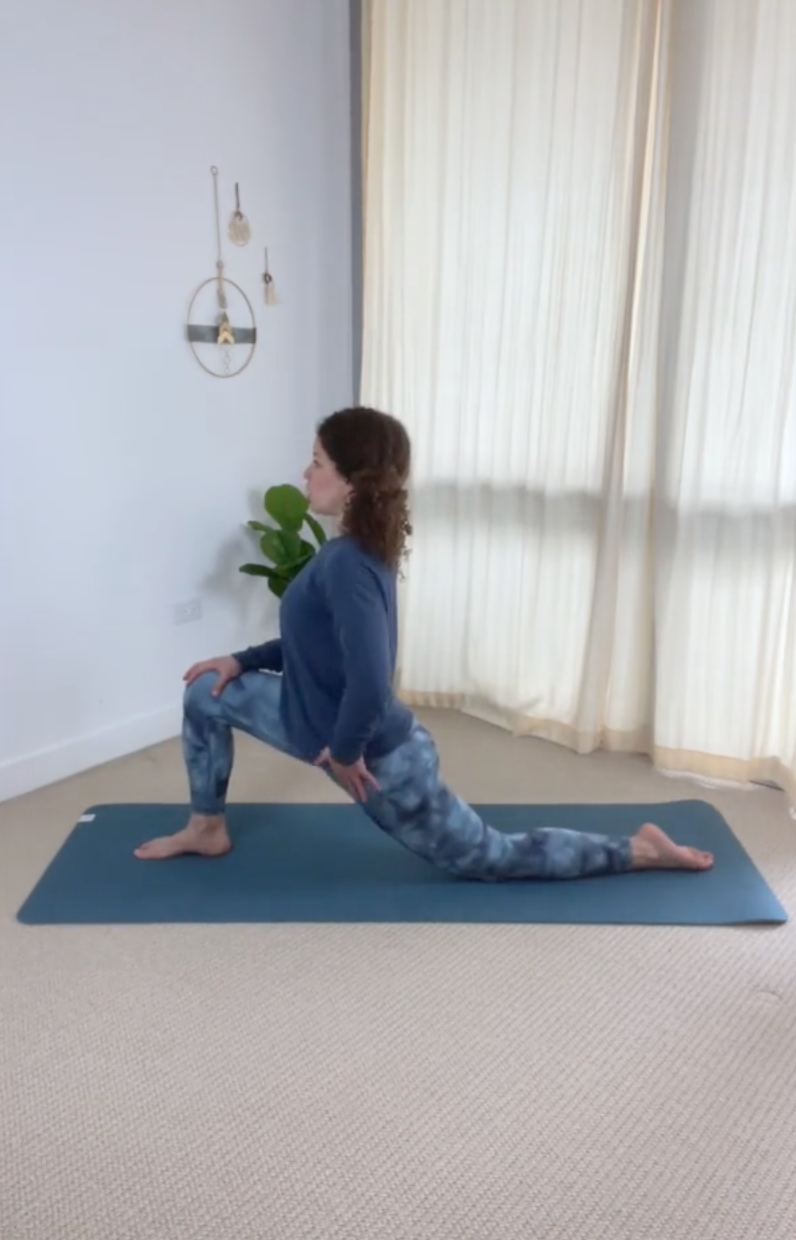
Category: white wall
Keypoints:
(126, 473)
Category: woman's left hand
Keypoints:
(356, 779)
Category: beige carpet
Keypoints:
(407, 1083)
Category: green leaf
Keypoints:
(285, 548)
(257, 570)
(316, 528)
(288, 552)
(292, 546)
(278, 578)
(272, 547)
(287, 505)
(278, 585)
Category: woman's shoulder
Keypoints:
(344, 549)
(342, 562)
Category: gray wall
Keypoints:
(357, 234)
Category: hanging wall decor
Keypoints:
(239, 229)
(221, 328)
(271, 298)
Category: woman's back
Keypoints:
(339, 646)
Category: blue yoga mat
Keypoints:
(329, 863)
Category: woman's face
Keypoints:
(327, 490)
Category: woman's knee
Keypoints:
(198, 698)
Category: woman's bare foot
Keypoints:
(653, 850)
(206, 836)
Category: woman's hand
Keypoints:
(356, 779)
(226, 667)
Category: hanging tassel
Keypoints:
(271, 298)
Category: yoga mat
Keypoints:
(329, 863)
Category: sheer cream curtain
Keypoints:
(580, 282)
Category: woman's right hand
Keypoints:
(226, 667)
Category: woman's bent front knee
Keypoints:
(198, 698)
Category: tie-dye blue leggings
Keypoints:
(414, 806)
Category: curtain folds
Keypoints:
(580, 296)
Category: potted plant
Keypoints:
(283, 544)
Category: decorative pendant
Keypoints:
(221, 349)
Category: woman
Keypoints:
(329, 698)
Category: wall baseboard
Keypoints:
(48, 766)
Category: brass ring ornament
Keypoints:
(223, 342)
(224, 338)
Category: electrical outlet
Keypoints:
(187, 613)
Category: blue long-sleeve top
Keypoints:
(336, 655)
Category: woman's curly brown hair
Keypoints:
(371, 450)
